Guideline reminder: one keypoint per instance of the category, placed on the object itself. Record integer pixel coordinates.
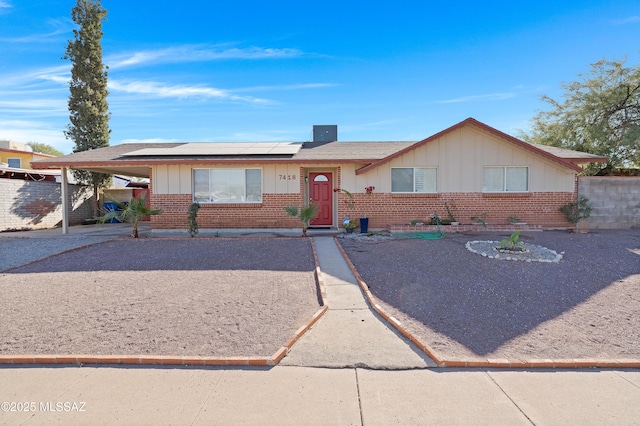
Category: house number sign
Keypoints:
(287, 177)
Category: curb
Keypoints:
(180, 360)
(489, 362)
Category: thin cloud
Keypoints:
(35, 38)
(475, 98)
(302, 86)
(5, 5)
(194, 53)
(629, 20)
(179, 91)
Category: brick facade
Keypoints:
(268, 214)
(383, 210)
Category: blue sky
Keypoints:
(267, 71)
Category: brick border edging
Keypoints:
(489, 362)
(177, 360)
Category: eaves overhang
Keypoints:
(565, 162)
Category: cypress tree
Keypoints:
(88, 107)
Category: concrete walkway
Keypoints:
(350, 334)
(321, 382)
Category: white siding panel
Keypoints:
(269, 179)
(460, 157)
(160, 179)
(173, 174)
(186, 176)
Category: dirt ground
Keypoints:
(465, 306)
(182, 297)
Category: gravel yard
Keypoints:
(180, 297)
(465, 306)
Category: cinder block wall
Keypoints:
(615, 201)
(35, 205)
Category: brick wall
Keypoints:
(388, 209)
(382, 209)
(615, 201)
(268, 214)
(34, 205)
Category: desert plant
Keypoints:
(479, 219)
(349, 202)
(577, 210)
(305, 214)
(514, 219)
(133, 212)
(368, 190)
(512, 243)
(449, 207)
(192, 216)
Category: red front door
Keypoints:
(321, 193)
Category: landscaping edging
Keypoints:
(533, 363)
(79, 359)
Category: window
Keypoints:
(505, 179)
(227, 185)
(14, 162)
(414, 179)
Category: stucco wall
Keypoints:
(615, 201)
(34, 205)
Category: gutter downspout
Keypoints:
(65, 198)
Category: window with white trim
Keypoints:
(15, 163)
(505, 179)
(227, 185)
(414, 180)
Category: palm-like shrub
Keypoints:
(133, 212)
(305, 214)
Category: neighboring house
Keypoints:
(475, 169)
(17, 155)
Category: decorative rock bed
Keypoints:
(532, 252)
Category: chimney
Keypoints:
(325, 133)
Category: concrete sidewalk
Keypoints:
(315, 396)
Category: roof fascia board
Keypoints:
(150, 163)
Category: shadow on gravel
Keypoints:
(483, 303)
(277, 254)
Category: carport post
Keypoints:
(65, 200)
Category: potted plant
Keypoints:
(349, 225)
(515, 220)
(364, 221)
(577, 210)
(479, 219)
(449, 206)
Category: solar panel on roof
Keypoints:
(222, 148)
